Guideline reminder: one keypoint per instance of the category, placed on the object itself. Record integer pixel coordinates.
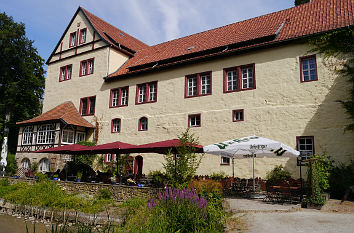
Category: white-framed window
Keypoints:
(26, 164)
(119, 97)
(237, 115)
(80, 136)
(27, 135)
(194, 120)
(247, 77)
(65, 73)
(225, 160)
(308, 68)
(115, 125)
(143, 124)
(231, 82)
(146, 93)
(72, 41)
(306, 146)
(46, 134)
(67, 136)
(198, 84)
(44, 165)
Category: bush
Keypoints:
(218, 176)
(158, 178)
(278, 173)
(206, 186)
(104, 194)
(11, 167)
(42, 177)
(341, 178)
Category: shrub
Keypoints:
(158, 178)
(11, 167)
(278, 173)
(341, 178)
(41, 177)
(206, 186)
(218, 176)
(104, 194)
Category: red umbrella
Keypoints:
(113, 147)
(67, 149)
(164, 147)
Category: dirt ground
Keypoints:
(256, 216)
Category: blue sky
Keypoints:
(151, 21)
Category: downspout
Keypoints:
(109, 52)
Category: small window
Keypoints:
(109, 158)
(198, 84)
(27, 135)
(26, 164)
(225, 160)
(80, 136)
(44, 165)
(83, 36)
(72, 41)
(67, 136)
(87, 106)
(65, 73)
(146, 93)
(308, 68)
(194, 120)
(305, 145)
(237, 115)
(115, 126)
(119, 97)
(239, 78)
(86, 67)
(143, 124)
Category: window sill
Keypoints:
(118, 106)
(148, 102)
(224, 164)
(196, 96)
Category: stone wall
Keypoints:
(120, 192)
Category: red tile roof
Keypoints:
(65, 112)
(109, 32)
(307, 19)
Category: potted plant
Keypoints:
(78, 176)
(56, 177)
(33, 169)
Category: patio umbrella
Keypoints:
(3, 162)
(251, 147)
(67, 149)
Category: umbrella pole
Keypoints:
(233, 168)
(254, 186)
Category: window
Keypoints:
(44, 165)
(119, 97)
(115, 126)
(194, 120)
(237, 115)
(239, 78)
(305, 145)
(26, 164)
(80, 136)
(65, 73)
(67, 136)
(109, 158)
(308, 68)
(225, 161)
(143, 124)
(198, 84)
(146, 93)
(86, 67)
(46, 134)
(83, 36)
(72, 41)
(87, 106)
(27, 135)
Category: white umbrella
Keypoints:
(3, 161)
(251, 147)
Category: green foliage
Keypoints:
(85, 159)
(21, 78)
(336, 44)
(218, 176)
(158, 178)
(341, 178)
(104, 194)
(79, 175)
(34, 167)
(41, 177)
(180, 170)
(11, 167)
(206, 186)
(318, 179)
(299, 2)
(278, 173)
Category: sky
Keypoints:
(151, 21)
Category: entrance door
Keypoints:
(138, 168)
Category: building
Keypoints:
(252, 77)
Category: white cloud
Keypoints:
(171, 18)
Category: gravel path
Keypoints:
(257, 216)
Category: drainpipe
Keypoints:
(109, 52)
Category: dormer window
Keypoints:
(83, 36)
(72, 42)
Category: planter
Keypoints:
(78, 180)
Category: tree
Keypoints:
(181, 168)
(339, 43)
(21, 78)
(85, 158)
(299, 2)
